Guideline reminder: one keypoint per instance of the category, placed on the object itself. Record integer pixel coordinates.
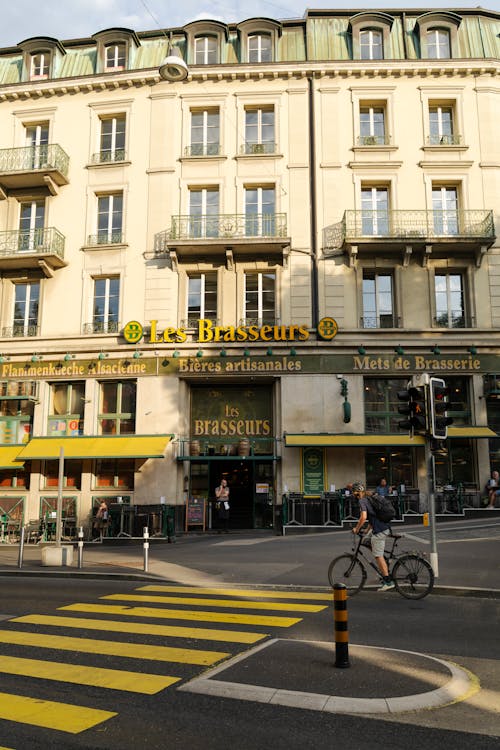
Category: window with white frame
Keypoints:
(205, 50)
(374, 210)
(204, 212)
(260, 211)
(31, 225)
(112, 140)
(441, 127)
(205, 132)
(115, 56)
(371, 44)
(260, 298)
(26, 308)
(110, 218)
(37, 139)
(106, 304)
(372, 130)
(40, 65)
(449, 296)
(202, 297)
(438, 44)
(378, 301)
(259, 130)
(445, 209)
(260, 48)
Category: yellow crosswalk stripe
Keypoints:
(112, 648)
(257, 593)
(77, 674)
(49, 714)
(227, 603)
(117, 626)
(185, 614)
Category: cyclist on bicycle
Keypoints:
(380, 531)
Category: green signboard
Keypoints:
(313, 471)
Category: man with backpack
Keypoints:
(378, 511)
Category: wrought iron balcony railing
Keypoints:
(19, 331)
(382, 320)
(101, 326)
(37, 241)
(411, 225)
(267, 147)
(444, 140)
(192, 322)
(106, 238)
(202, 149)
(374, 140)
(34, 158)
(109, 157)
(222, 226)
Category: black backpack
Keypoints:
(382, 507)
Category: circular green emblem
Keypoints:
(133, 332)
(327, 328)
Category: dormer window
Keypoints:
(438, 44)
(115, 56)
(259, 48)
(205, 50)
(40, 66)
(371, 45)
(438, 34)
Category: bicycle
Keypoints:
(412, 575)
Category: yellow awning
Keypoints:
(8, 454)
(324, 440)
(134, 446)
(471, 432)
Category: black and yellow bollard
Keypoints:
(341, 629)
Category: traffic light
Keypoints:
(438, 406)
(415, 409)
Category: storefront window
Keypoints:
(72, 474)
(393, 464)
(458, 465)
(115, 472)
(14, 478)
(67, 406)
(16, 419)
(460, 408)
(381, 404)
(117, 408)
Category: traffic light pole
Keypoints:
(429, 463)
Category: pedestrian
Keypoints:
(493, 489)
(382, 488)
(378, 533)
(222, 505)
(101, 522)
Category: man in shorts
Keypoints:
(380, 532)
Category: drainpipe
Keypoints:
(312, 191)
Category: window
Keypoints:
(393, 464)
(441, 125)
(16, 420)
(260, 298)
(115, 57)
(259, 48)
(26, 302)
(37, 138)
(204, 212)
(445, 209)
(259, 130)
(40, 65)
(205, 50)
(202, 297)
(260, 212)
(115, 472)
(106, 305)
(112, 147)
(438, 44)
(372, 125)
(14, 478)
(66, 409)
(205, 135)
(449, 291)
(375, 210)
(72, 473)
(381, 404)
(31, 225)
(378, 309)
(117, 408)
(371, 45)
(457, 466)
(109, 218)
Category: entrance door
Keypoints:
(239, 476)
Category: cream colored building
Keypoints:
(322, 192)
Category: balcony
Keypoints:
(219, 234)
(33, 166)
(374, 140)
(202, 149)
(117, 156)
(258, 149)
(34, 248)
(439, 233)
(101, 326)
(20, 331)
(444, 140)
(106, 238)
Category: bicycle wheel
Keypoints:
(413, 576)
(348, 570)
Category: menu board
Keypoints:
(195, 512)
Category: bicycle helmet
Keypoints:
(358, 487)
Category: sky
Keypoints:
(72, 19)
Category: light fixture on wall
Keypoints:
(472, 350)
(199, 353)
(102, 355)
(435, 349)
(3, 358)
(361, 349)
(293, 352)
(173, 68)
(223, 352)
(137, 354)
(68, 357)
(269, 352)
(36, 358)
(399, 350)
(246, 353)
(176, 354)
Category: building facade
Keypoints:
(233, 273)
